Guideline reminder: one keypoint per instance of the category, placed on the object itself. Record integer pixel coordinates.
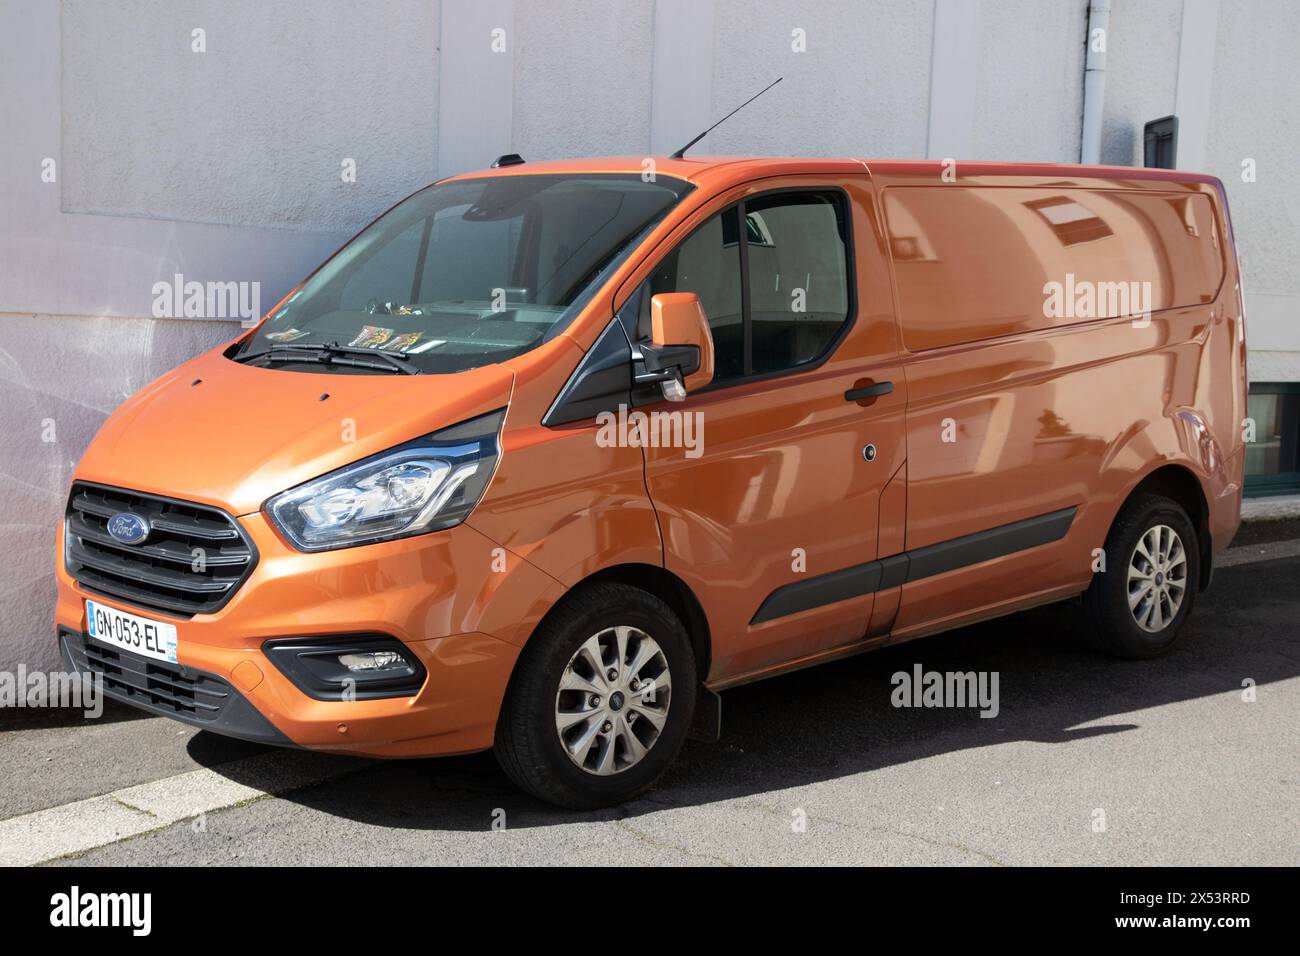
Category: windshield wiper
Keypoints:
(329, 354)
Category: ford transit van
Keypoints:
(551, 454)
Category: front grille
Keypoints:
(157, 685)
(164, 571)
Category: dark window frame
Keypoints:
(845, 208)
(1275, 483)
(1160, 143)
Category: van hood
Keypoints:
(218, 432)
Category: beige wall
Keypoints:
(60, 377)
(225, 165)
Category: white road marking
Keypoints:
(85, 824)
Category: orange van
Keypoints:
(550, 454)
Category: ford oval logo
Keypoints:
(127, 527)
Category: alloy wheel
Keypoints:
(1157, 578)
(613, 700)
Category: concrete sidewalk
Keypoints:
(1272, 508)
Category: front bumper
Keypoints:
(459, 603)
(192, 696)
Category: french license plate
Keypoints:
(131, 632)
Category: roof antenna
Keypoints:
(682, 152)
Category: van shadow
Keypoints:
(837, 720)
(48, 718)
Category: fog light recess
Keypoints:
(348, 668)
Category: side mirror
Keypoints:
(680, 353)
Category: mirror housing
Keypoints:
(680, 352)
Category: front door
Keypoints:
(771, 514)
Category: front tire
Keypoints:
(1136, 608)
(601, 699)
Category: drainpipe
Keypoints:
(1094, 80)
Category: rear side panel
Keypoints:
(1035, 387)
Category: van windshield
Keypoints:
(464, 273)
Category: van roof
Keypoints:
(698, 169)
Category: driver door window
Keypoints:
(707, 263)
(777, 295)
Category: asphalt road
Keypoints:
(1089, 761)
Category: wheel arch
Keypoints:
(1179, 483)
(664, 585)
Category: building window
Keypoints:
(1160, 143)
(1273, 458)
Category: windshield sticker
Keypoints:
(402, 343)
(432, 343)
(288, 335)
(371, 337)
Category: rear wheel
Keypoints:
(601, 699)
(1137, 606)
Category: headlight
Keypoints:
(425, 485)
